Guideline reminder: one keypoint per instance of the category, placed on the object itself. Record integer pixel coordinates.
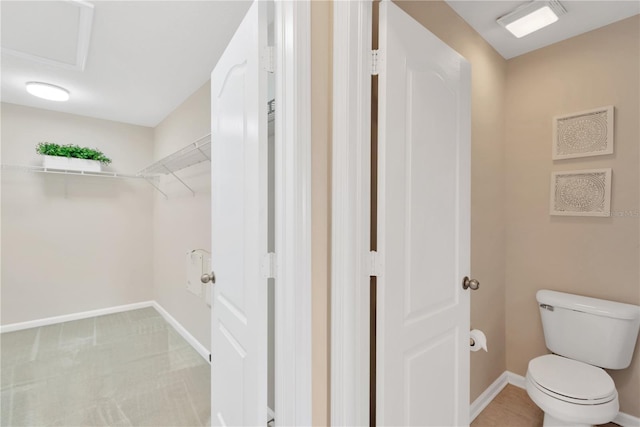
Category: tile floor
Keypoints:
(512, 407)
(124, 369)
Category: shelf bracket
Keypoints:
(181, 181)
(150, 181)
(204, 154)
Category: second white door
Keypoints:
(423, 220)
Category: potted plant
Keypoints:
(71, 157)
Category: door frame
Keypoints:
(351, 262)
(292, 62)
(351, 265)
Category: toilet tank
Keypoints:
(598, 332)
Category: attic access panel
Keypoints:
(53, 33)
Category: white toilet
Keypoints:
(585, 335)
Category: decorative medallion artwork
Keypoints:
(581, 193)
(588, 133)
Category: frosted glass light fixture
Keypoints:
(48, 91)
(531, 17)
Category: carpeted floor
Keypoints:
(125, 369)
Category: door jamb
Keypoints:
(293, 213)
(351, 214)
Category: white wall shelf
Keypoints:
(42, 169)
(194, 153)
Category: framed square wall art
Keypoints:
(587, 133)
(581, 193)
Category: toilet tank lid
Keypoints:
(616, 310)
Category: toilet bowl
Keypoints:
(585, 334)
(571, 393)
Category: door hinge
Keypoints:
(269, 265)
(268, 59)
(375, 266)
(374, 62)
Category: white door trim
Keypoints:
(350, 223)
(293, 213)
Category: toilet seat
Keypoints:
(553, 383)
(571, 381)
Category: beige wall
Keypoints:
(73, 243)
(182, 222)
(321, 69)
(597, 257)
(488, 77)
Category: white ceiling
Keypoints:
(144, 57)
(581, 17)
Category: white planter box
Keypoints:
(71, 164)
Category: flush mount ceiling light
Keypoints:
(531, 17)
(48, 91)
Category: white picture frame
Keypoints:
(581, 193)
(583, 134)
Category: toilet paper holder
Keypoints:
(472, 342)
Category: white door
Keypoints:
(423, 243)
(239, 227)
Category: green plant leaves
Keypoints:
(70, 150)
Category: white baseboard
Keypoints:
(202, 350)
(626, 420)
(516, 380)
(110, 310)
(487, 396)
(622, 419)
(11, 327)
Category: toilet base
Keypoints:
(551, 421)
